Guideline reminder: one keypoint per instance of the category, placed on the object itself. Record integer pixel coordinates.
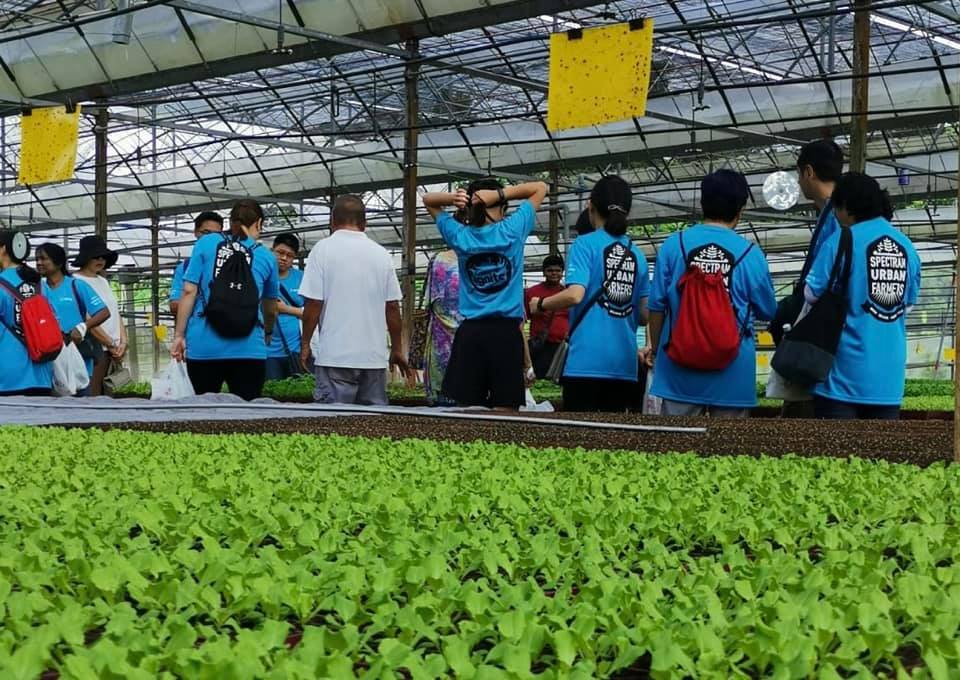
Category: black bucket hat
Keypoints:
(92, 247)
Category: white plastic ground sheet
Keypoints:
(76, 410)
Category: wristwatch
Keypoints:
(539, 305)
(501, 198)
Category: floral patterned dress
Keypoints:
(443, 305)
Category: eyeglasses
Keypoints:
(284, 254)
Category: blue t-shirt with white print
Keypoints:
(490, 262)
(604, 343)
(713, 248)
(871, 359)
(203, 343)
(66, 305)
(287, 329)
(19, 372)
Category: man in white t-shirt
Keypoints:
(351, 289)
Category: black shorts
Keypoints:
(486, 364)
(595, 394)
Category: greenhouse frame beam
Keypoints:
(310, 50)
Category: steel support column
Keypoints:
(554, 211)
(860, 101)
(155, 286)
(409, 259)
(100, 170)
(956, 329)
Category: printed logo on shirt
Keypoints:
(886, 279)
(489, 272)
(26, 290)
(620, 275)
(225, 250)
(712, 259)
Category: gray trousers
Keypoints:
(366, 386)
(679, 408)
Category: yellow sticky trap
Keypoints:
(48, 145)
(599, 75)
(950, 354)
(763, 360)
(764, 339)
(160, 332)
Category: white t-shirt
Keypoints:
(354, 278)
(102, 287)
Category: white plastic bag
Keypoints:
(532, 405)
(652, 405)
(172, 383)
(779, 387)
(69, 372)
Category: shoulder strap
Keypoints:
(19, 298)
(742, 257)
(286, 296)
(80, 304)
(683, 250)
(12, 290)
(840, 275)
(596, 296)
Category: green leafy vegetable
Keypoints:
(135, 555)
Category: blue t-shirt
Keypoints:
(713, 248)
(67, 307)
(19, 372)
(202, 342)
(827, 226)
(491, 262)
(288, 326)
(176, 287)
(871, 360)
(604, 343)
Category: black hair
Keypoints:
(862, 197)
(208, 216)
(27, 273)
(825, 157)
(475, 214)
(611, 198)
(289, 240)
(584, 225)
(349, 210)
(55, 254)
(723, 194)
(552, 261)
(246, 211)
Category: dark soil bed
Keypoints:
(917, 441)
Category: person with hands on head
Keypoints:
(79, 309)
(212, 358)
(205, 223)
(350, 282)
(93, 259)
(607, 286)
(489, 363)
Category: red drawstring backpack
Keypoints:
(38, 329)
(706, 335)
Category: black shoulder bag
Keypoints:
(806, 354)
(293, 356)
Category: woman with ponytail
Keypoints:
(869, 368)
(79, 309)
(489, 351)
(607, 286)
(19, 375)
